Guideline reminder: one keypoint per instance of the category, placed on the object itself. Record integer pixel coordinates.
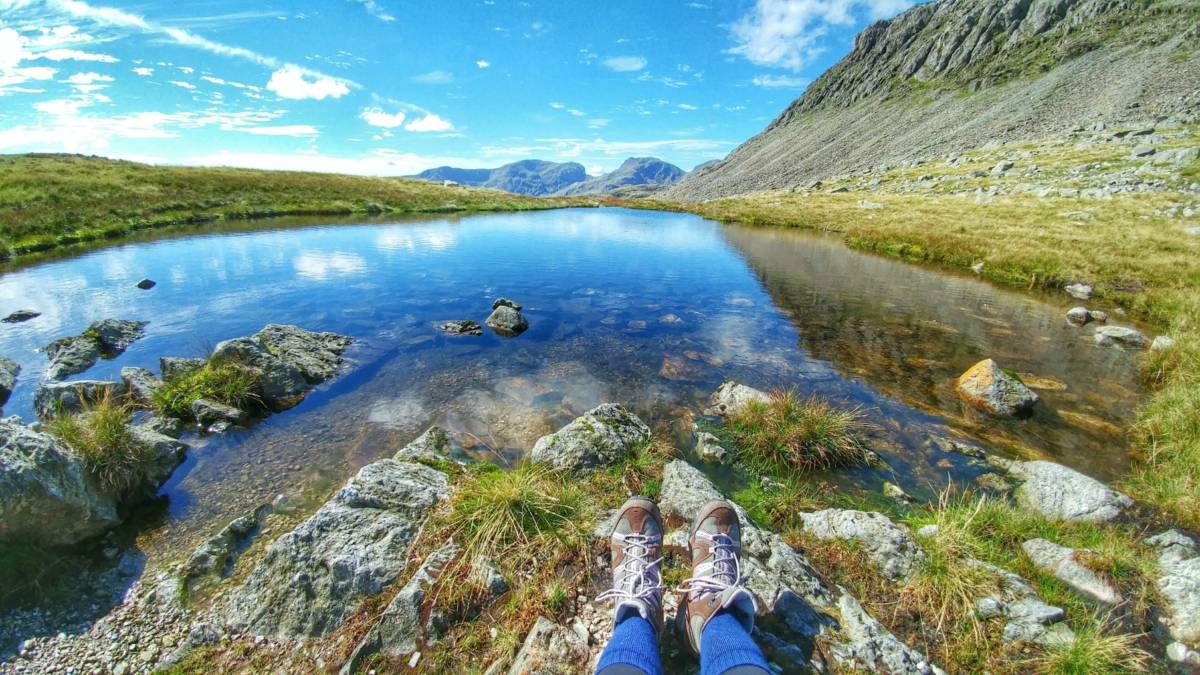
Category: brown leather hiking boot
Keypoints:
(716, 583)
(636, 545)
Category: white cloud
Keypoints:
(429, 123)
(376, 117)
(376, 10)
(75, 55)
(293, 82)
(556, 105)
(688, 106)
(785, 33)
(181, 84)
(144, 71)
(87, 78)
(281, 130)
(576, 112)
(779, 81)
(597, 123)
(213, 80)
(481, 64)
(434, 77)
(625, 64)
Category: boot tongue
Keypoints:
(630, 608)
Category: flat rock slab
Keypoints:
(732, 398)
(1060, 561)
(885, 543)
(107, 337)
(868, 643)
(1179, 584)
(353, 547)
(600, 436)
(1056, 491)
(550, 649)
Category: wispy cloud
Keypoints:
(376, 10)
(625, 64)
(688, 106)
(430, 123)
(434, 77)
(779, 81)
(786, 33)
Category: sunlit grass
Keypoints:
(226, 381)
(100, 434)
(1098, 649)
(789, 435)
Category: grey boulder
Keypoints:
(1079, 291)
(1179, 584)
(172, 367)
(8, 378)
(141, 384)
(1078, 316)
(47, 493)
(1056, 491)
(461, 327)
(507, 321)
(311, 579)
(601, 436)
(1060, 561)
(885, 543)
(281, 385)
(1120, 336)
(550, 649)
(71, 356)
(21, 315)
(431, 446)
(211, 414)
(868, 643)
(732, 398)
(316, 355)
(987, 386)
(55, 398)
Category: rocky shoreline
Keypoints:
(312, 599)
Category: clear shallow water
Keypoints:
(649, 309)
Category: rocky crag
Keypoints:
(951, 75)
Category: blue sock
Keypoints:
(633, 643)
(725, 645)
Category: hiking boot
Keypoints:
(636, 545)
(716, 583)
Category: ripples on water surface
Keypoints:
(649, 309)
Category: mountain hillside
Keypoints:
(640, 173)
(957, 74)
(532, 177)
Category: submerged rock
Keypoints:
(731, 398)
(54, 398)
(354, 546)
(21, 315)
(213, 556)
(462, 327)
(602, 435)
(987, 386)
(217, 416)
(9, 370)
(884, 542)
(1079, 291)
(1060, 561)
(507, 321)
(1056, 491)
(709, 448)
(431, 446)
(147, 284)
(1179, 585)
(1078, 316)
(47, 494)
(1120, 336)
(550, 649)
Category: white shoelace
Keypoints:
(637, 578)
(717, 574)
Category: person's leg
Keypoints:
(636, 549)
(632, 649)
(726, 648)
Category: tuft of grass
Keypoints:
(555, 598)
(508, 516)
(788, 435)
(1097, 649)
(222, 380)
(100, 435)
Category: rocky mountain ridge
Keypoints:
(952, 75)
(538, 178)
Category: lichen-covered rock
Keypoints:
(312, 578)
(115, 335)
(46, 493)
(8, 378)
(550, 649)
(140, 383)
(172, 367)
(1029, 618)
(1060, 561)
(54, 398)
(401, 630)
(507, 321)
(1179, 584)
(1120, 336)
(1056, 491)
(885, 543)
(986, 386)
(213, 556)
(869, 644)
(431, 446)
(601, 436)
(71, 356)
(731, 398)
(167, 452)
(316, 355)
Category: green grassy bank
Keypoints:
(53, 201)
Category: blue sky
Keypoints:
(389, 87)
